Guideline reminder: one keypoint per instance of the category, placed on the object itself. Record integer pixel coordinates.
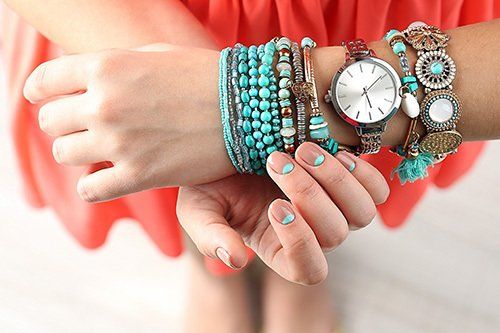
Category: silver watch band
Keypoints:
(370, 143)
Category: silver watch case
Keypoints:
(362, 128)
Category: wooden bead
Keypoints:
(286, 112)
(290, 149)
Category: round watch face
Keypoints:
(366, 92)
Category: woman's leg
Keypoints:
(216, 304)
(292, 308)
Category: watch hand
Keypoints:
(365, 92)
(374, 83)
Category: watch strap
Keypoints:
(370, 143)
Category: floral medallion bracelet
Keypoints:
(440, 110)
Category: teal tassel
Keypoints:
(412, 169)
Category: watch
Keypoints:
(365, 92)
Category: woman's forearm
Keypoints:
(91, 25)
(474, 49)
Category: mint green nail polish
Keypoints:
(319, 160)
(352, 167)
(287, 168)
(288, 219)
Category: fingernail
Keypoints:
(347, 160)
(280, 163)
(312, 155)
(224, 256)
(283, 213)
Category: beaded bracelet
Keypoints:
(224, 106)
(284, 68)
(318, 127)
(441, 107)
(414, 164)
(298, 70)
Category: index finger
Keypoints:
(62, 76)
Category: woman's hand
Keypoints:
(154, 115)
(290, 237)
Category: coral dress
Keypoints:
(229, 21)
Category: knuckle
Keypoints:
(336, 238)
(308, 189)
(105, 109)
(85, 192)
(312, 277)
(336, 177)
(367, 214)
(43, 119)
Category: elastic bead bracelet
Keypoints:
(414, 163)
(318, 127)
(441, 107)
(224, 106)
(284, 69)
(298, 71)
(236, 117)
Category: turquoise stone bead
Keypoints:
(413, 86)
(284, 82)
(287, 122)
(288, 141)
(437, 68)
(254, 103)
(252, 63)
(410, 78)
(253, 81)
(256, 124)
(265, 116)
(260, 145)
(242, 67)
(390, 33)
(260, 48)
(283, 59)
(257, 135)
(249, 141)
(284, 93)
(399, 47)
(253, 71)
(256, 165)
(276, 128)
(273, 87)
(272, 78)
(260, 172)
(279, 144)
(274, 106)
(263, 155)
(243, 81)
(247, 111)
(252, 48)
(247, 126)
(255, 114)
(317, 120)
(264, 105)
(285, 73)
(264, 93)
(266, 128)
(268, 139)
(264, 69)
(270, 47)
(263, 81)
(253, 57)
(320, 133)
(245, 97)
(277, 135)
(253, 153)
(285, 103)
(271, 149)
(267, 59)
(253, 92)
(243, 56)
(276, 122)
(307, 42)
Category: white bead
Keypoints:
(410, 105)
(281, 66)
(441, 110)
(287, 132)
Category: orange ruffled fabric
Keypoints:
(328, 22)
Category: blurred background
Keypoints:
(438, 273)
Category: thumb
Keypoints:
(202, 217)
(157, 47)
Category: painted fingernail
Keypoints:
(280, 163)
(312, 155)
(347, 160)
(283, 213)
(224, 256)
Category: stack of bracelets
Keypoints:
(266, 90)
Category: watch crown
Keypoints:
(328, 97)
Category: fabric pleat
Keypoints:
(228, 21)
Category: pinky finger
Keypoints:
(106, 184)
(304, 259)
